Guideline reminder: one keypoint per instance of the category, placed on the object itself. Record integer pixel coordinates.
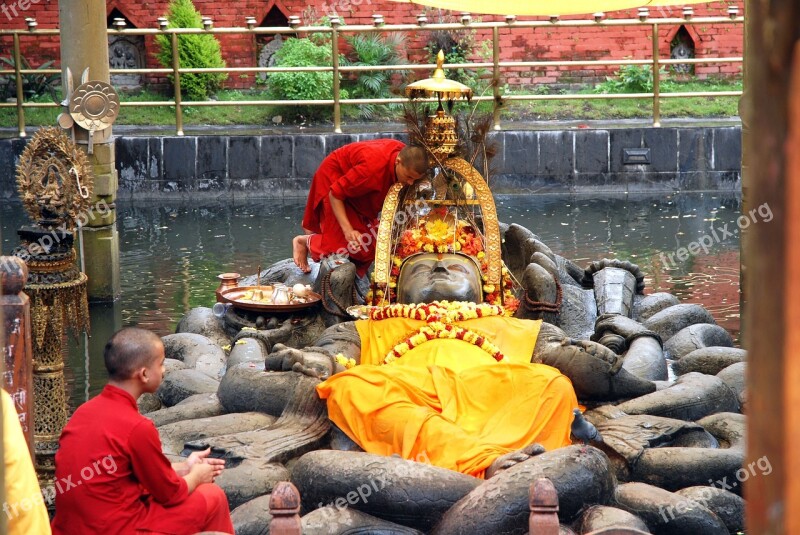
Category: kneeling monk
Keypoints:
(111, 476)
(450, 380)
(347, 193)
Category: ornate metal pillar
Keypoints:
(54, 181)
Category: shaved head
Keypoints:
(414, 158)
(128, 350)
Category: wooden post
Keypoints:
(284, 506)
(17, 352)
(772, 316)
(544, 508)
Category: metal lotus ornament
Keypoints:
(93, 105)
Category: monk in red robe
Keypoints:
(111, 476)
(347, 192)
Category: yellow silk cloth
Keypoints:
(447, 400)
(24, 507)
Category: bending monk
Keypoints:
(111, 476)
(347, 192)
(441, 391)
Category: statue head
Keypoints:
(428, 277)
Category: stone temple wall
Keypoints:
(543, 161)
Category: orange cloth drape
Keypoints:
(449, 402)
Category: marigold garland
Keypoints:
(436, 235)
(438, 329)
(445, 311)
(342, 360)
(440, 317)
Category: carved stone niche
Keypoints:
(126, 52)
(266, 54)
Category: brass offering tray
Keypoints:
(247, 298)
(360, 312)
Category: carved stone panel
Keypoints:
(126, 52)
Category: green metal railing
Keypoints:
(336, 29)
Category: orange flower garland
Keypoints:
(436, 235)
(439, 317)
(446, 311)
(437, 329)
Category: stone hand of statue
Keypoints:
(596, 350)
(504, 462)
(620, 325)
(284, 358)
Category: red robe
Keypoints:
(360, 174)
(111, 477)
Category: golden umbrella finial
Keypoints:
(438, 85)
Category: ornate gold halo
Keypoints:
(54, 178)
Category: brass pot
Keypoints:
(226, 281)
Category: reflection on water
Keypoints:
(170, 255)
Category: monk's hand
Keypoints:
(197, 457)
(353, 236)
(202, 457)
(203, 473)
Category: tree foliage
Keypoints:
(374, 49)
(303, 52)
(195, 51)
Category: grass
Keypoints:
(689, 107)
(692, 107)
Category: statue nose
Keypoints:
(438, 266)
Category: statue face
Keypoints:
(430, 277)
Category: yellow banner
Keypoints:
(545, 7)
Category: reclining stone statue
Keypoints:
(650, 438)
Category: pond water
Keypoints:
(170, 254)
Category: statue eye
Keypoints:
(421, 266)
(457, 267)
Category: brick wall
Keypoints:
(547, 43)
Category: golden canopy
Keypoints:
(544, 7)
(438, 85)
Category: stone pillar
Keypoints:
(84, 43)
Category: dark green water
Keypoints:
(170, 254)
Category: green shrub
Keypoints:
(33, 84)
(302, 52)
(195, 52)
(632, 79)
(373, 49)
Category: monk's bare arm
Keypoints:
(337, 205)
